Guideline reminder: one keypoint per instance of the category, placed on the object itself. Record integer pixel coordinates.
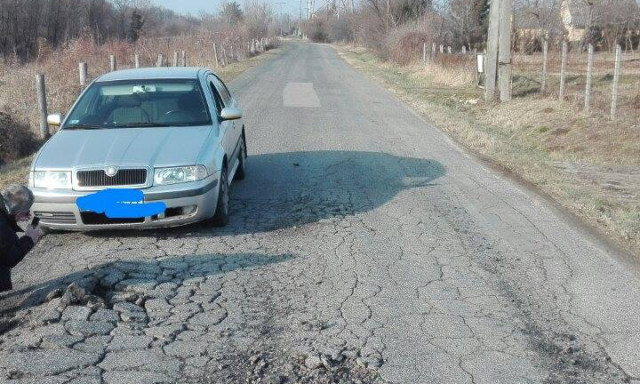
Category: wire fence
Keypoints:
(610, 86)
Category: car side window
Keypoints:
(224, 92)
(216, 97)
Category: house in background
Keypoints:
(611, 19)
(575, 15)
(571, 19)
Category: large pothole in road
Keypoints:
(180, 310)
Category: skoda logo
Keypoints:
(111, 171)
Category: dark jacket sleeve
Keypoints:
(12, 248)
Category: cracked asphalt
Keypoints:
(364, 247)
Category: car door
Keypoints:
(234, 126)
(226, 127)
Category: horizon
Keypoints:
(194, 7)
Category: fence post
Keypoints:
(184, 58)
(136, 59)
(224, 57)
(616, 81)
(175, 59)
(441, 48)
(424, 53)
(563, 69)
(160, 61)
(587, 96)
(545, 63)
(449, 50)
(464, 49)
(112, 63)
(215, 54)
(42, 105)
(433, 52)
(82, 68)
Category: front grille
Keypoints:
(56, 217)
(97, 178)
(92, 218)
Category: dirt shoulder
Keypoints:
(588, 164)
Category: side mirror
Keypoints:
(231, 113)
(54, 119)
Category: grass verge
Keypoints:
(588, 164)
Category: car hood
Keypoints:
(154, 147)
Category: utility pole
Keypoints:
(281, 20)
(492, 51)
(499, 50)
(504, 51)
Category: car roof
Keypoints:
(153, 73)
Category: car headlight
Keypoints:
(174, 175)
(52, 179)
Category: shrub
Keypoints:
(317, 30)
(16, 139)
(405, 44)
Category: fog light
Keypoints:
(188, 209)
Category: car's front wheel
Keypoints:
(221, 218)
(242, 160)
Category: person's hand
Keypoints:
(33, 232)
(23, 216)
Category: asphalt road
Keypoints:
(364, 247)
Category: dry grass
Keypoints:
(587, 163)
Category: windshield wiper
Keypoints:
(137, 125)
(83, 126)
(159, 125)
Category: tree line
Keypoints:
(391, 26)
(29, 26)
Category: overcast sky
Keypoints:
(213, 6)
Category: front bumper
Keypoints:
(57, 209)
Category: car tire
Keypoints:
(241, 172)
(221, 217)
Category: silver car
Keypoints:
(175, 134)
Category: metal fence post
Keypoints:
(175, 59)
(215, 54)
(82, 68)
(424, 53)
(224, 57)
(587, 95)
(160, 61)
(113, 65)
(563, 69)
(616, 81)
(136, 59)
(184, 58)
(42, 105)
(545, 63)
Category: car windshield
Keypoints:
(140, 103)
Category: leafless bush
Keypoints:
(341, 29)
(317, 29)
(404, 44)
(16, 140)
